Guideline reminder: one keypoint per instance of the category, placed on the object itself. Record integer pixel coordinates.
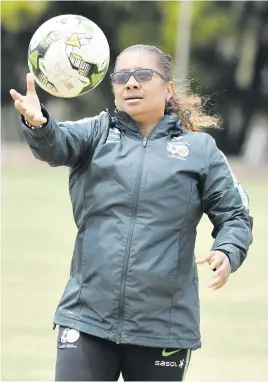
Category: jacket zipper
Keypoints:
(129, 240)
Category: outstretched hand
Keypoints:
(220, 264)
(29, 105)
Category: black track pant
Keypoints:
(82, 357)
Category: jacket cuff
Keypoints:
(233, 254)
(42, 131)
(225, 252)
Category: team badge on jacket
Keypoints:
(178, 148)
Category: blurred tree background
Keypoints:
(226, 41)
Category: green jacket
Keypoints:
(137, 202)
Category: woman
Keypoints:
(139, 184)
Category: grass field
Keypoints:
(37, 241)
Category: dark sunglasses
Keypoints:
(140, 75)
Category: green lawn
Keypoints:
(37, 241)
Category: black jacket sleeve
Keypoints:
(226, 204)
(63, 143)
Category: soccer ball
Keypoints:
(69, 56)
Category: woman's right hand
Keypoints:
(29, 105)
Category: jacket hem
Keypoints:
(83, 327)
(127, 339)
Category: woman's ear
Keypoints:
(170, 90)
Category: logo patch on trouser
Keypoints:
(177, 358)
(68, 338)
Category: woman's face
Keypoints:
(139, 99)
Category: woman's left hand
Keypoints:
(220, 264)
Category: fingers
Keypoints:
(19, 105)
(30, 88)
(214, 258)
(15, 95)
(219, 263)
(217, 283)
(221, 275)
(215, 263)
(204, 259)
(30, 83)
(34, 118)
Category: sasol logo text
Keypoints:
(166, 363)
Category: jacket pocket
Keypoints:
(71, 296)
(65, 289)
(196, 285)
(100, 267)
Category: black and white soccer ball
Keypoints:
(69, 56)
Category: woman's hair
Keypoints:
(188, 106)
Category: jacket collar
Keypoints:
(170, 124)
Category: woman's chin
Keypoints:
(133, 109)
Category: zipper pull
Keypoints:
(144, 142)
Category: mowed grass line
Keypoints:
(38, 234)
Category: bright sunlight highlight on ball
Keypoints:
(69, 56)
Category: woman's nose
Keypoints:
(132, 83)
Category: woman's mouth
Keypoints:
(133, 99)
